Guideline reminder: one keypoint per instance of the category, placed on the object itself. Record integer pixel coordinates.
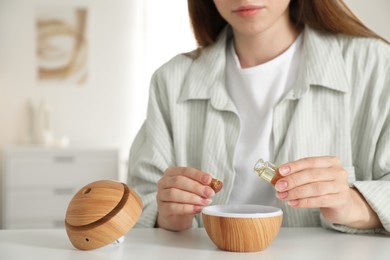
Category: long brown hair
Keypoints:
(332, 16)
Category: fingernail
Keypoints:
(284, 170)
(206, 201)
(282, 195)
(281, 185)
(208, 192)
(197, 209)
(293, 203)
(206, 179)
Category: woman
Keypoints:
(301, 83)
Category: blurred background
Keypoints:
(75, 73)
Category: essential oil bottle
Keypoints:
(268, 171)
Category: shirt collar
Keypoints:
(322, 66)
(206, 76)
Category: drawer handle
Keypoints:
(64, 159)
(58, 224)
(63, 191)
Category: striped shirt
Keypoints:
(339, 106)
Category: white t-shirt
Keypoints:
(255, 92)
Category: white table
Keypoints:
(140, 244)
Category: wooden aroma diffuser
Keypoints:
(100, 213)
(242, 228)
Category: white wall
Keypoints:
(375, 14)
(99, 113)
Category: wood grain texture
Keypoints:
(83, 210)
(242, 234)
(112, 224)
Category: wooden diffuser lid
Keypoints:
(100, 213)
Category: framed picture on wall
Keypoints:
(61, 45)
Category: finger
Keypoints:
(171, 208)
(186, 184)
(309, 163)
(315, 189)
(326, 201)
(180, 196)
(309, 176)
(191, 173)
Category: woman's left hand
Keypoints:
(322, 182)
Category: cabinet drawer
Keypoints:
(39, 182)
(59, 172)
(35, 223)
(42, 204)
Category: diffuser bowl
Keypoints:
(242, 228)
(100, 213)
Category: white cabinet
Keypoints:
(38, 183)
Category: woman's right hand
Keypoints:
(181, 193)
